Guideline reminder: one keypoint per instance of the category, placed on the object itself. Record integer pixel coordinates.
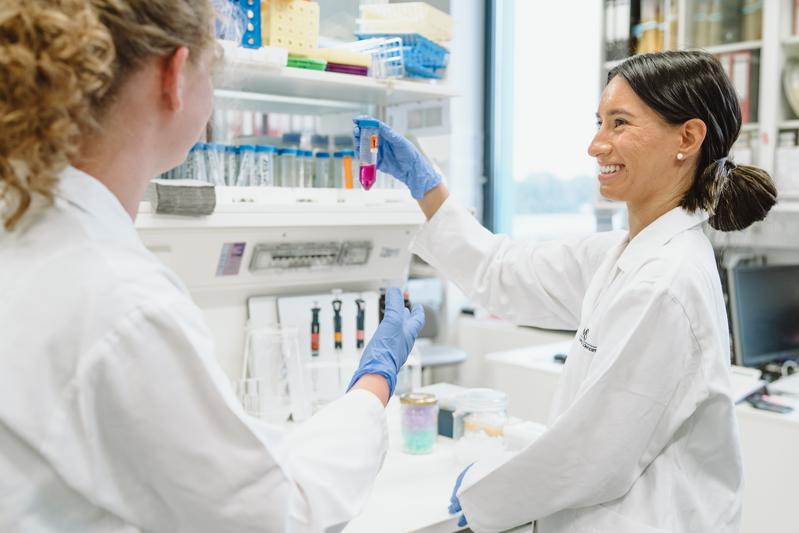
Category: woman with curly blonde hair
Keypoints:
(114, 415)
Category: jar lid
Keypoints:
(323, 155)
(418, 398)
(476, 400)
(246, 147)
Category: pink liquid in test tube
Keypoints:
(367, 176)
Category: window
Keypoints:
(543, 94)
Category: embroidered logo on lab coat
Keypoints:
(583, 338)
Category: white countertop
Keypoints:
(411, 492)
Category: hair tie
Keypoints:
(726, 162)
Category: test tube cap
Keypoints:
(368, 123)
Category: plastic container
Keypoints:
(478, 424)
(194, 166)
(422, 57)
(342, 168)
(231, 165)
(323, 170)
(247, 174)
(264, 165)
(291, 24)
(367, 174)
(289, 167)
(306, 163)
(215, 163)
(404, 17)
(419, 422)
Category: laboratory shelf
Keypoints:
(289, 86)
(791, 41)
(283, 206)
(789, 125)
(733, 47)
(749, 127)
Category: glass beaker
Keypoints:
(478, 424)
(272, 381)
(368, 152)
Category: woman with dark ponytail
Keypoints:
(642, 434)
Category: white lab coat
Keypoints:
(114, 414)
(642, 437)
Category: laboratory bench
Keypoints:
(769, 441)
(411, 492)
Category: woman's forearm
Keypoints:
(433, 199)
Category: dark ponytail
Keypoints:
(681, 86)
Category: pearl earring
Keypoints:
(680, 156)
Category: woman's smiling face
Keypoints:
(635, 147)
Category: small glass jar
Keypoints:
(478, 424)
(323, 170)
(419, 415)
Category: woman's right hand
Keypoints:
(397, 156)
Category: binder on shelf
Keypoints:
(743, 77)
(610, 30)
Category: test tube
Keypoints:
(323, 170)
(368, 149)
(343, 167)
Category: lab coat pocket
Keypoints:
(601, 519)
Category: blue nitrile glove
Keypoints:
(397, 156)
(392, 342)
(454, 503)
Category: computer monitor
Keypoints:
(764, 301)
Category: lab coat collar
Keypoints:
(90, 195)
(658, 233)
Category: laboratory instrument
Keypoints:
(369, 141)
(419, 421)
(359, 322)
(337, 333)
(315, 330)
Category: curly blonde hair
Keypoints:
(62, 62)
